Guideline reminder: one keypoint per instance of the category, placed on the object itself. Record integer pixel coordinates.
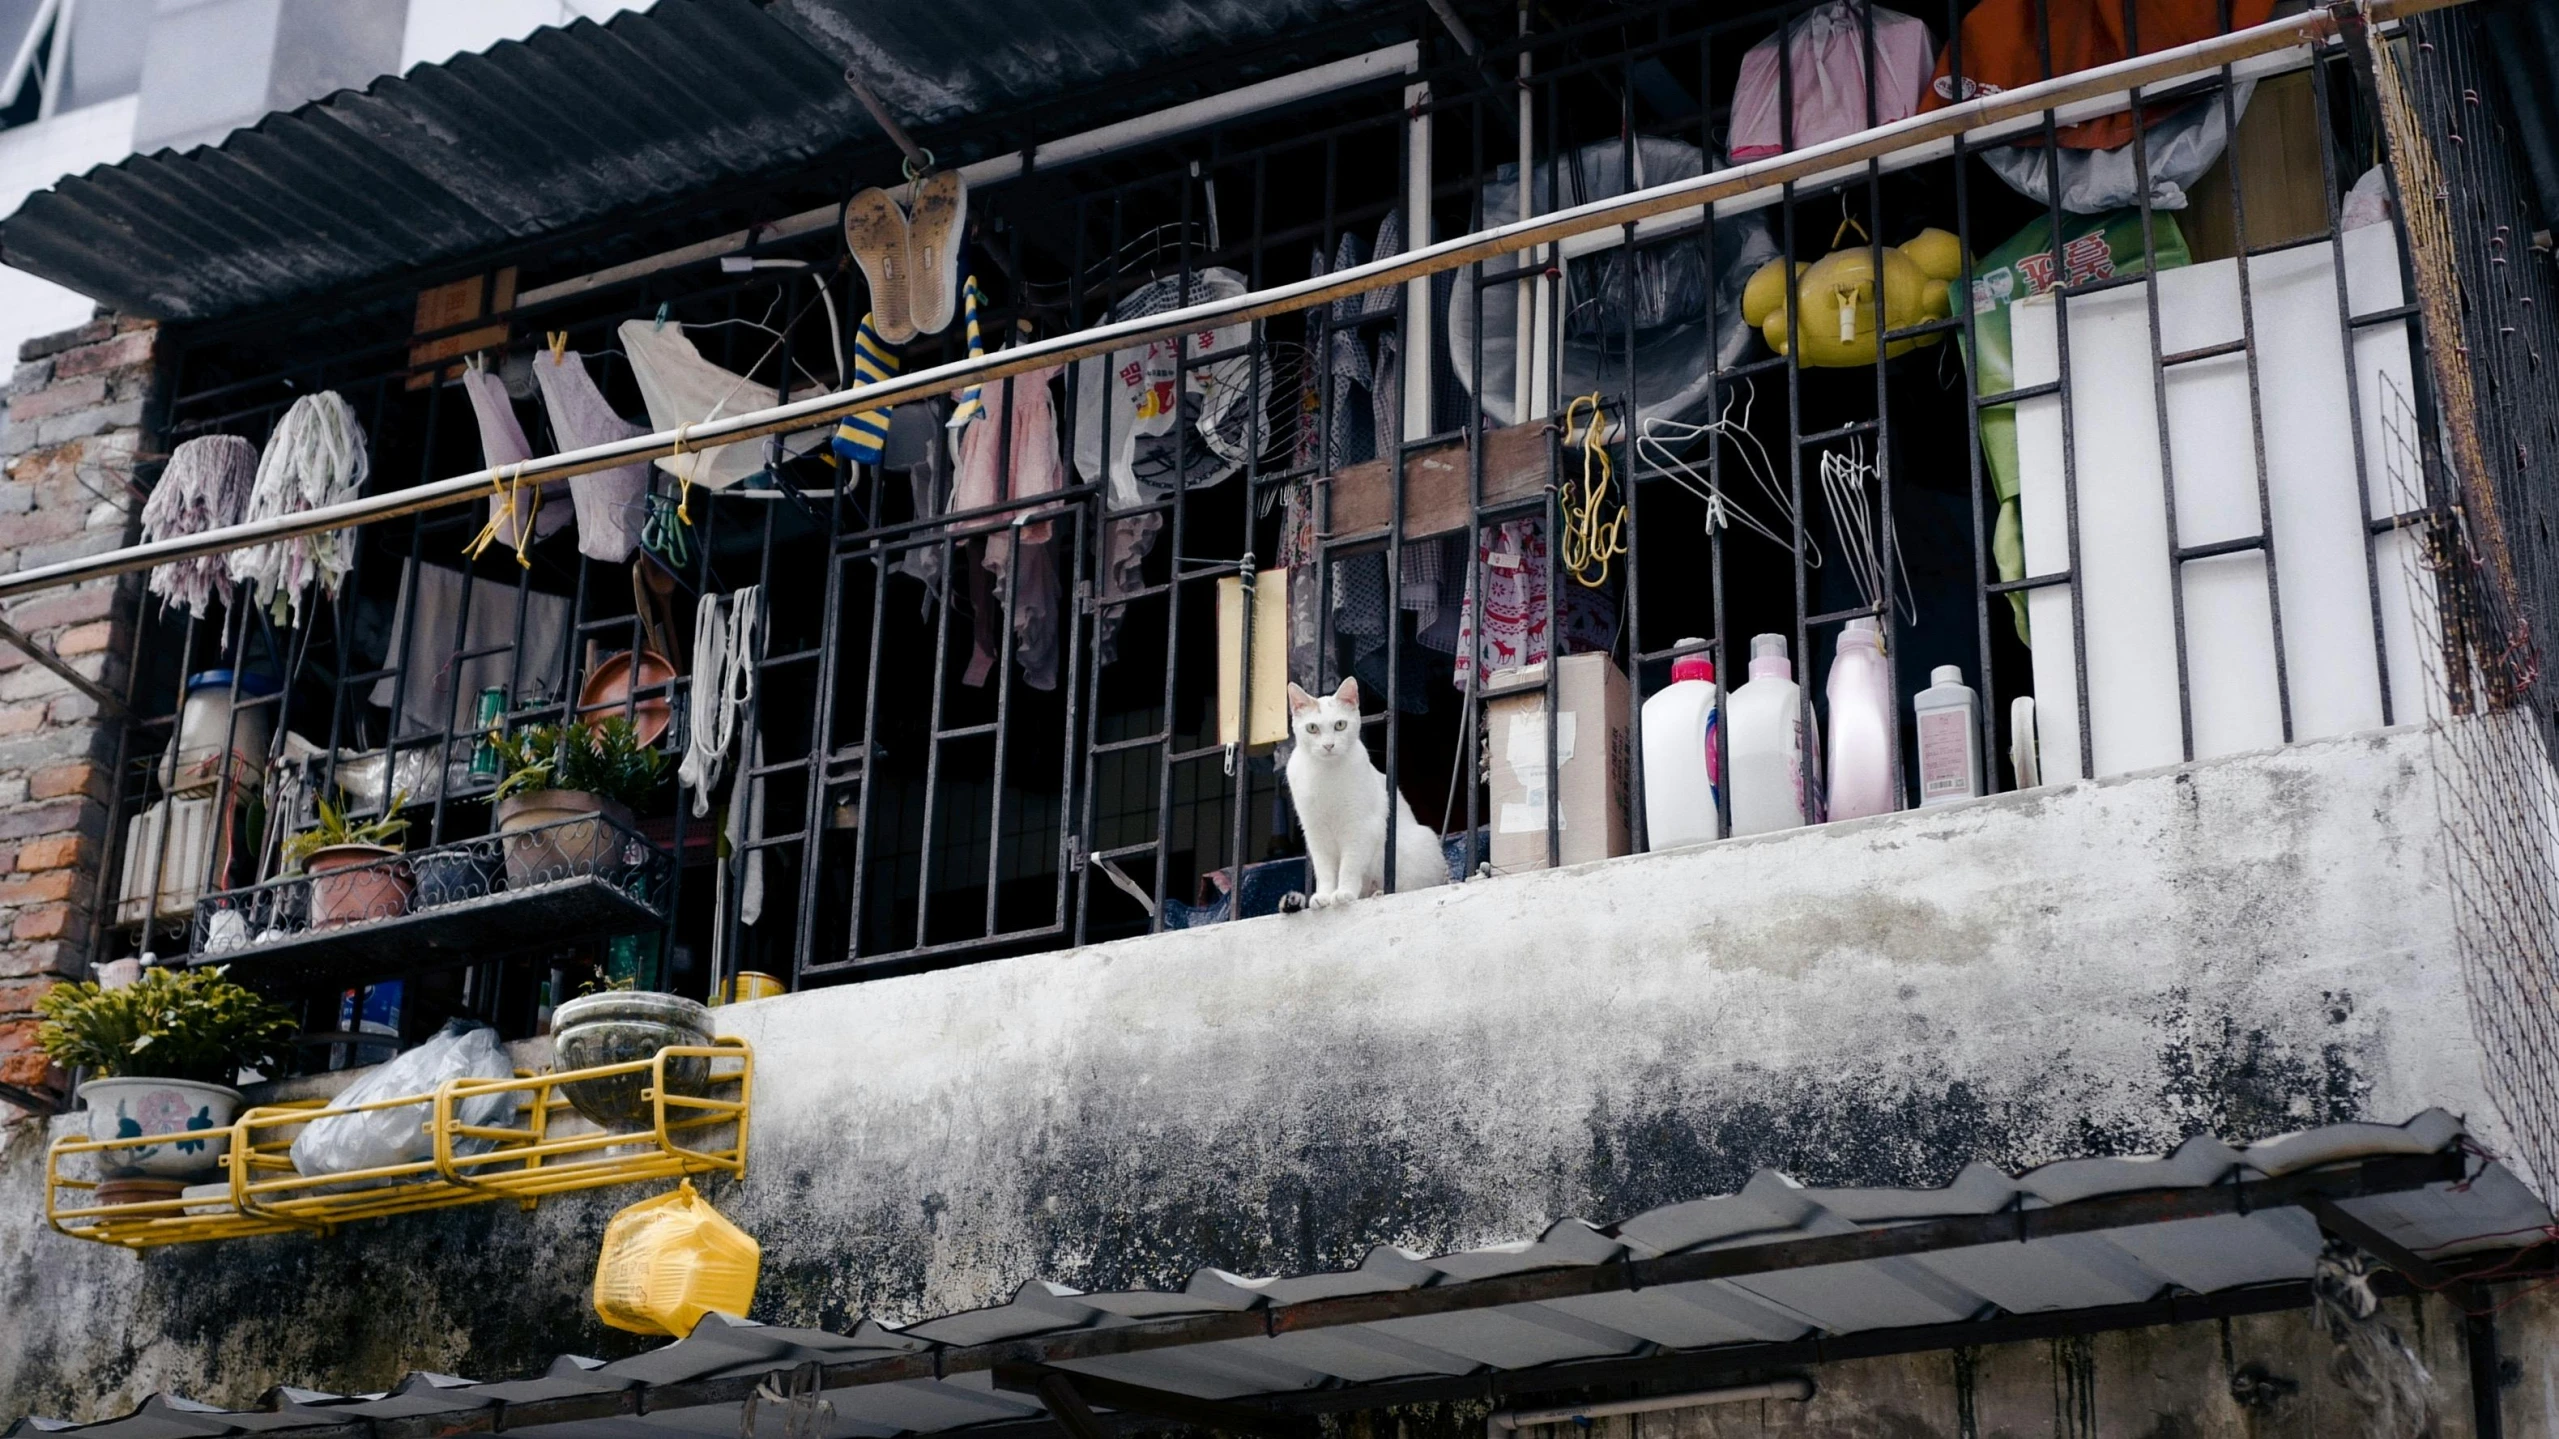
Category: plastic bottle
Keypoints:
(1682, 766)
(1949, 716)
(1771, 790)
(1863, 727)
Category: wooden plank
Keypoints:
(1435, 481)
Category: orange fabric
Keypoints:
(2002, 50)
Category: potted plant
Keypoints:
(614, 1023)
(558, 779)
(351, 869)
(160, 1055)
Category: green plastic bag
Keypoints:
(2094, 247)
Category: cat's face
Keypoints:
(1326, 727)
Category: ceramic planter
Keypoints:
(621, 1025)
(135, 1108)
(577, 844)
(350, 883)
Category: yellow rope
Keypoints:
(506, 488)
(683, 480)
(1588, 541)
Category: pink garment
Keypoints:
(1828, 53)
(1036, 468)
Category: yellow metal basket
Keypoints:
(545, 1147)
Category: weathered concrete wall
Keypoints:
(2243, 947)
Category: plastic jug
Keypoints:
(1772, 789)
(1949, 739)
(1863, 727)
(1682, 766)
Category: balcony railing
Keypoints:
(2164, 474)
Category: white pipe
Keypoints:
(1506, 1420)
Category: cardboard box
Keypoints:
(1270, 658)
(2280, 181)
(1591, 756)
(1435, 484)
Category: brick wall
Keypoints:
(77, 408)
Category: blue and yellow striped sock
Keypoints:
(972, 404)
(861, 437)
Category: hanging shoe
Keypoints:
(875, 230)
(936, 233)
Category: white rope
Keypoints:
(204, 487)
(723, 686)
(316, 457)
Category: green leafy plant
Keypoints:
(606, 760)
(334, 829)
(170, 1024)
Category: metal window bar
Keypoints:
(838, 673)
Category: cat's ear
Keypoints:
(1299, 701)
(1348, 693)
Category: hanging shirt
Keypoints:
(2003, 50)
(1823, 65)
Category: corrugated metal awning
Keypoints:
(570, 128)
(1739, 1278)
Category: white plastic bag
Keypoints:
(2181, 148)
(342, 1143)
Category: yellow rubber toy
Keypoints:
(1838, 325)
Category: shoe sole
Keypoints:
(935, 233)
(875, 230)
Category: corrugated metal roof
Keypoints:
(449, 160)
(570, 127)
(2080, 1234)
(932, 62)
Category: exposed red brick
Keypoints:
(20, 719)
(61, 340)
(55, 781)
(55, 817)
(85, 639)
(53, 851)
(19, 996)
(60, 397)
(51, 921)
(49, 885)
(64, 607)
(128, 349)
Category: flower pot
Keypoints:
(136, 1108)
(620, 1025)
(350, 882)
(576, 843)
(450, 876)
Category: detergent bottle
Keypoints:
(1772, 788)
(1863, 728)
(1683, 769)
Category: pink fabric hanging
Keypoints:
(1828, 52)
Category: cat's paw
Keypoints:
(1323, 899)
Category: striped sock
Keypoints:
(971, 404)
(861, 437)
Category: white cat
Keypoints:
(1341, 803)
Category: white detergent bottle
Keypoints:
(1682, 768)
(1770, 791)
(1949, 715)
(1863, 726)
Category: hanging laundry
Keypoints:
(998, 464)
(611, 504)
(432, 690)
(1130, 394)
(205, 486)
(1509, 629)
(1823, 68)
(502, 443)
(681, 388)
(2004, 47)
(316, 456)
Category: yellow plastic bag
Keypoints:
(670, 1260)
